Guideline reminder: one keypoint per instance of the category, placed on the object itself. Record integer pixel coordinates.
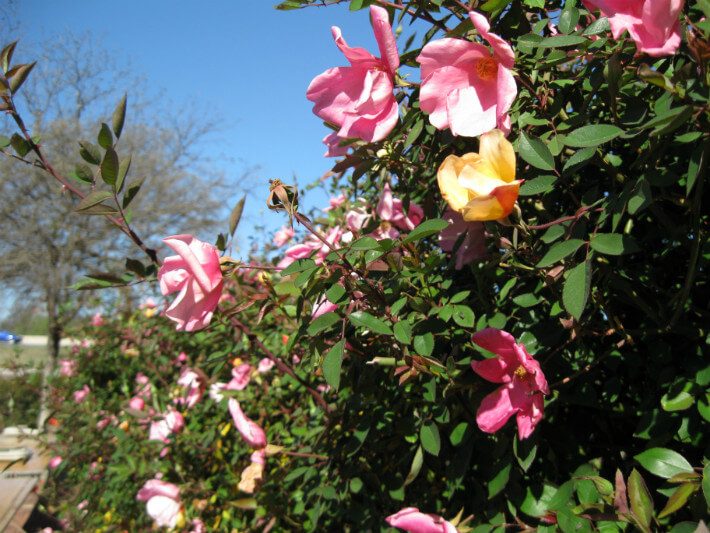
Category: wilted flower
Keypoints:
(241, 375)
(523, 383)
(265, 365)
(250, 431)
(410, 519)
(171, 422)
(473, 245)
(253, 475)
(284, 235)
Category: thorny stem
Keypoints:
(280, 364)
(44, 164)
(581, 211)
(309, 226)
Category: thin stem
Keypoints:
(44, 164)
(280, 364)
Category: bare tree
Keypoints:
(45, 245)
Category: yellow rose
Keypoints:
(481, 186)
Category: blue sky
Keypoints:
(246, 62)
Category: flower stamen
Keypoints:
(487, 68)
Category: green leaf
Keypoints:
(463, 316)
(425, 229)
(332, 364)
(18, 75)
(105, 137)
(678, 499)
(429, 437)
(336, 293)
(119, 117)
(568, 19)
(123, 169)
(6, 56)
(678, 402)
(131, 192)
(414, 133)
(640, 499)
(526, 300)
(93, 199)
(592, 135)
(322, 323)
(403, 331)
(20, 145)
(559, 251)
(84, 173)
(601, 25)
(576, 289)
(424, 344)
(538, 185)
(416, 467)
(524, 452)
(579, 159)
(109, 167)
(535, 152)
(498, 483)
(90, 152)
(663, 462)
(560, 41)
(706, 484)
(613, 244)
(366, 320)
(641, 197)
(459, 433)
(694, 164)
(365, 243)
(236, 215)
(299, 265)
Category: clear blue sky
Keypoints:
(249, 63)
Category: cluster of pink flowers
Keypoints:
(311, 247)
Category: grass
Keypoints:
(18, 354)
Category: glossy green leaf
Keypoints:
(575, 291)
(426, 229)
(366, 320)
(592, 135)
(640, 499)
(678, 499)
(559, 251)
(403, 331)
(332, 364)
(533, 151)
(613, 244)
(323, 323)
(105, 137)
(663, 462)
(109, 166)
(429, 437)
(424, 344)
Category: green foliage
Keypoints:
(600, 272)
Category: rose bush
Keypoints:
(542, 196)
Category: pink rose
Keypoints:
(162, 502)
(653, 24)
(136, 403)
(473, 245)
(67, 368)
(284, 235)
(55, 461)
(250, 431)
(241, 375)
(391, 210)
(171, 422)
(194, 382)
(335, 202)
(523, 383)
(97, 320)
(465, 87)
(322, 306)
(333, 147)
(265, 365)
(359, 99)
(195, 272)
(81, 394)
(410, 519)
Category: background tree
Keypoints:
(74, 87)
